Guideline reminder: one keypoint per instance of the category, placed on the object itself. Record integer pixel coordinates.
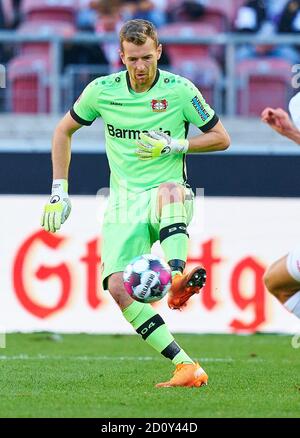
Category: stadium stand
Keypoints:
(29, 71)
(29, 77)
(45, 27)
(216, 16)
(6, 13)
(11, 13)
(204, 64)
(194, 61)
(54, 10)
(263, 82)
(230, 8)
(189, 30)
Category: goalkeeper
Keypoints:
(146, 113)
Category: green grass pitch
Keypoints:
(104, 376)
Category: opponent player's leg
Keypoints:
(152, 328)
(173, 217)
(282, 279)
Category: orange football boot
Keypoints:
(184, 286)
(186, 374)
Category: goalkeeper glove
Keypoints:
(156, 144)
(58, 208)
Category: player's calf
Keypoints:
(117, 290)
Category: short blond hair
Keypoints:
(137, 31)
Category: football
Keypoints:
(147, 278)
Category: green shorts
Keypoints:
(130, 228)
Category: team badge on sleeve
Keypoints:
(159, 105)
(198, 105)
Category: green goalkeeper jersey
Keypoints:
(169, 106)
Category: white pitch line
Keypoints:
(99, 358)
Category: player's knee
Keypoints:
(171, 192)
(117, 290)
(270, 282)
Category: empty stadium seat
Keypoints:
(8, 12)
(263, 82)
(193, 61)
(227, 7)
(43, 28)
(206, 74)
(219, 13)
(188, 30)
(54, 10)
(29, 83)
(216, 17)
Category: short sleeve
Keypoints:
(84, 110)
(196, 110)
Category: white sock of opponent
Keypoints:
(293, 304)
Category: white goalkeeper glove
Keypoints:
(58, 208)
(156, 144)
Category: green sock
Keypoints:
(173, 235)
(154, 331)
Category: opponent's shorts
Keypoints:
(130, 227)
(293, 264)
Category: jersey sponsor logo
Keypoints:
(130, 134)
(116, 103)
(159, 106)
(200, 108)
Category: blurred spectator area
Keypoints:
(195, 62)
(264, 70)
(257, 82)
(263, 82)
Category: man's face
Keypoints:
(141, 63)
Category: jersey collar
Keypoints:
(154, 82)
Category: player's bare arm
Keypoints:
(216, 139)
(279, 120)
(58, 208)
(61, 146)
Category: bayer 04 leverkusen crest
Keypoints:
(159, 105)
